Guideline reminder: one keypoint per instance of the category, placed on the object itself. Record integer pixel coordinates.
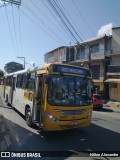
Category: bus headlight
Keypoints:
(51, 117)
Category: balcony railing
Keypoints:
(113, 69)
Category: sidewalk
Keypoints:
(113, 104)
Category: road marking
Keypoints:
(7, 139)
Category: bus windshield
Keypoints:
(64, 90)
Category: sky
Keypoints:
(31, 30)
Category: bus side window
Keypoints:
(24, 81)
(19, 78)
(10, 80)
(31, 81)
(7, 81)
(14, 81)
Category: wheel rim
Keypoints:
(28, 116)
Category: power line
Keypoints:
(46, 16)
(20, 30)
(43, 23)
(15, 29)
(23, 60)
(70, 18)
(83, 17)
(67, 19)
(53, 6)
(39, 25)
(47, 6)
(10, 30)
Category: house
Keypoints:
(61, 54)
(113, 74)
(94, 53)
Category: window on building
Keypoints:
(94, 48)
(95, 71)
(24, 80)
(71, 54)
(31, 81)
(19, 80)
(80, 53)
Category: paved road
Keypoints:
(102, 135)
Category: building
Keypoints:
(94, 52)
(113, 74)
(63, 54)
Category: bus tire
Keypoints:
(6, 100)
(28, 117)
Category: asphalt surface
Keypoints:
(102, 135)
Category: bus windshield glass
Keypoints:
(66, 90)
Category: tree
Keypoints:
(13, 67)
(1, 73)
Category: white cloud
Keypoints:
(106, 29)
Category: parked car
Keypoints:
(97, 101)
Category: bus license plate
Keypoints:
(73, 123)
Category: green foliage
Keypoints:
(1, 73)
(13, 67)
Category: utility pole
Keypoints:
(16, 2)
(23, 60)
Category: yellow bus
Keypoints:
(56, 96)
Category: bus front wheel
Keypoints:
(28, 117)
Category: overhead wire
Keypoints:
(73, 28)
(15, 29)
(78, 9)
(53, 6)
(10, 30)
(44, 15)
(47, 5)
(44, 24)
(62, 12)
(20, 30)
(39, 26)
(60, 2)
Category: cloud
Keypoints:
(106, 29)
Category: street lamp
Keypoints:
(23, 60)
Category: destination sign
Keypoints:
(70, 69)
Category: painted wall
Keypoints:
(116, 40)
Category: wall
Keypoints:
(118, 91)
(113, 92)
(115, 40)
(100, 53)
(115, 59)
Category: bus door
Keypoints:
(12, 89)
(4, 85)
(36, 113)
(10, 95)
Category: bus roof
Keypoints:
(43, 69)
